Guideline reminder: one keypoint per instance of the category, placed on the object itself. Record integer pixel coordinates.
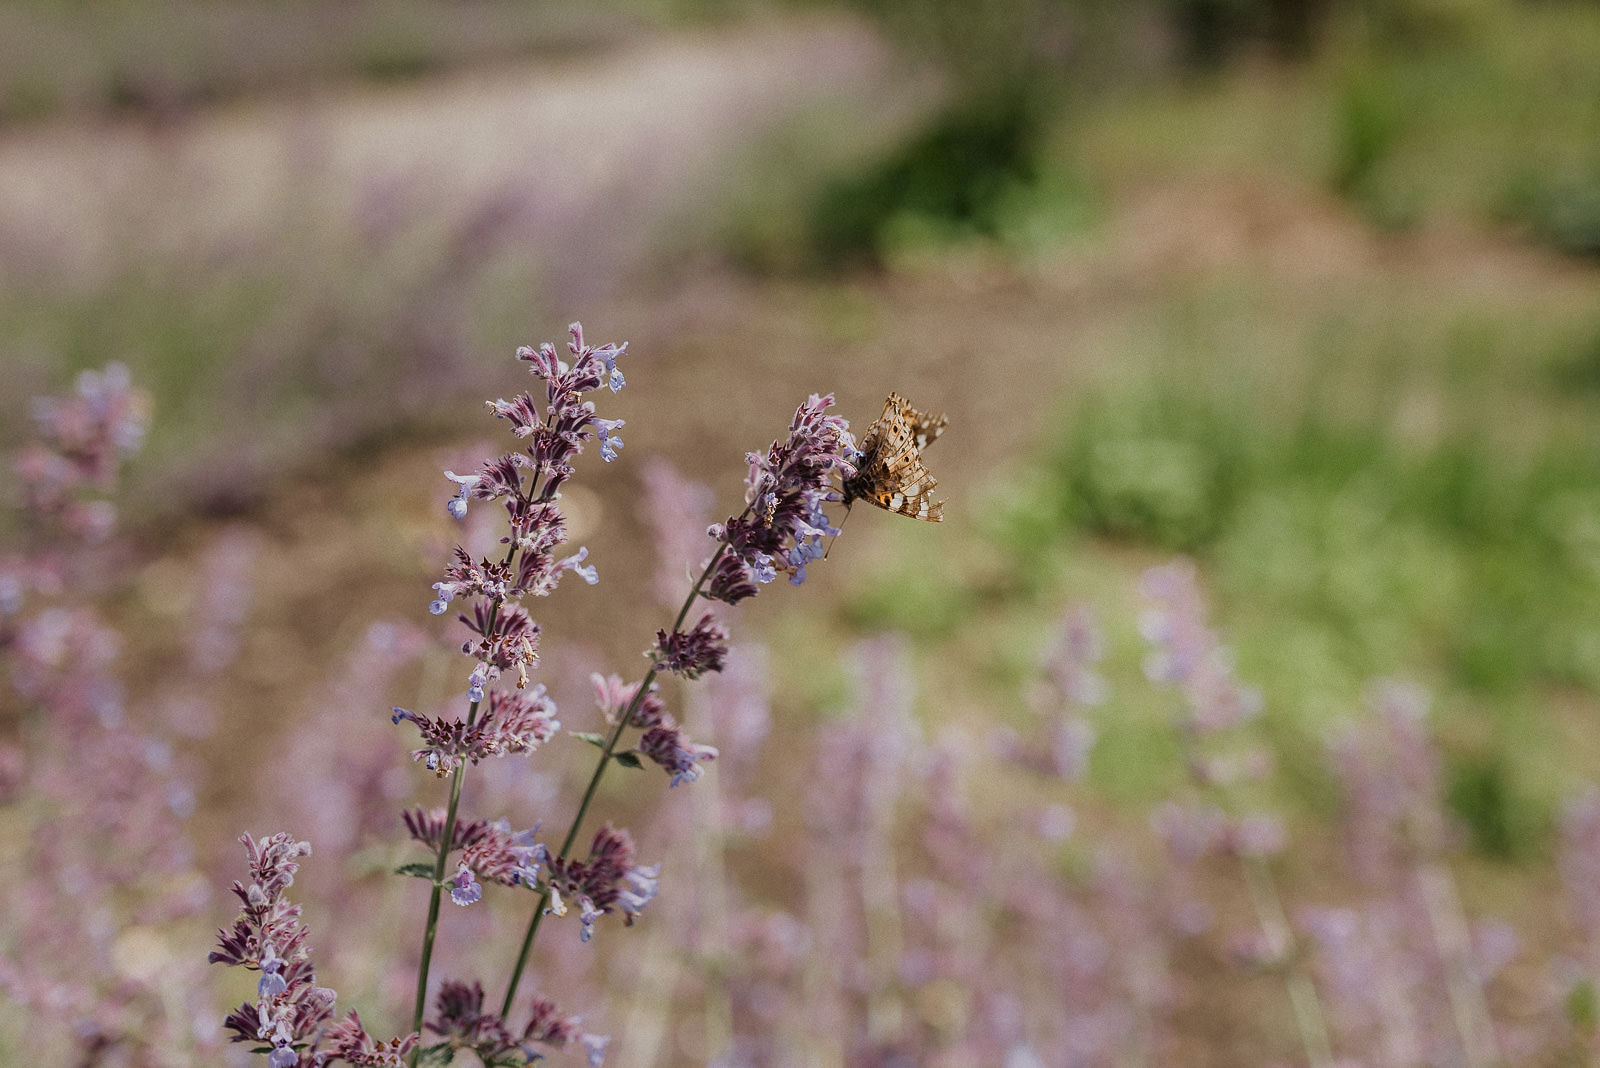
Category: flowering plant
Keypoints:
(780, 529)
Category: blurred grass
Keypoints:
(1425, 504)
(1478, 111)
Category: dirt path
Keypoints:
(595, 150)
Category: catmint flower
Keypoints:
(613, 696)
(457, 507)
(460, 1018)
(608, 355)
(693, 653)
(348, 1040)
(490, 852)
(1187, 654)
(640, 887)
(585, 572)
(784, 526)
(733, 579)
(464, 889)
(1579, 864)
(668, 746)
(548, 1027)
(272, 983)
(676, 509)
(475, 683)
(610, 441)
(1189, 831)
(594, 1048)
(268, 936)
(1258, 834)
(587, 914)
(607, 881)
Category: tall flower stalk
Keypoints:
(1188, 655)
(781, 529)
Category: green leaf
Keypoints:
(440, 1054)
(596, 740)
(419, 870)
(1581, 1006)
(628, 759)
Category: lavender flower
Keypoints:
(693, 653)
(460, 1018)
(668, 746)
(783, 528)
(83, 440)
(608, 881)
(511, 723)
(269, 937)
(489, 851)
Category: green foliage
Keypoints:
(903, 598)
(1583, 1007)
(1368, 124)
(1562, 209)
(1448, 556)
(1152, 470)
(961, 177)
(1480, 791)
(418, 870)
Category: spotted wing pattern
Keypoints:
(925, 428)
(891, 474)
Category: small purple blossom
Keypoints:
(510, 723)
(461, 1019)
(692, 653)
(783, 527)
(606, 882)
(640, 886)
(457, 505)
(610, 440)
(575, 564)
(268, 936)
(668, 746)
(613, 696)
(464, 888)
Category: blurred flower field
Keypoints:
(1241, 710)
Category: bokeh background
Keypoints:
(1307, 291)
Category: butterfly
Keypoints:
(889, 472)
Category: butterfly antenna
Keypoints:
(835, 538)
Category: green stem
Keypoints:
(441, 860)
(1281, 942)
(594, 786)
(434, 899)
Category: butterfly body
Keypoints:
(890, 473)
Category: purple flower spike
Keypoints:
(695, 652)
(669, 747)
(784, 527)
